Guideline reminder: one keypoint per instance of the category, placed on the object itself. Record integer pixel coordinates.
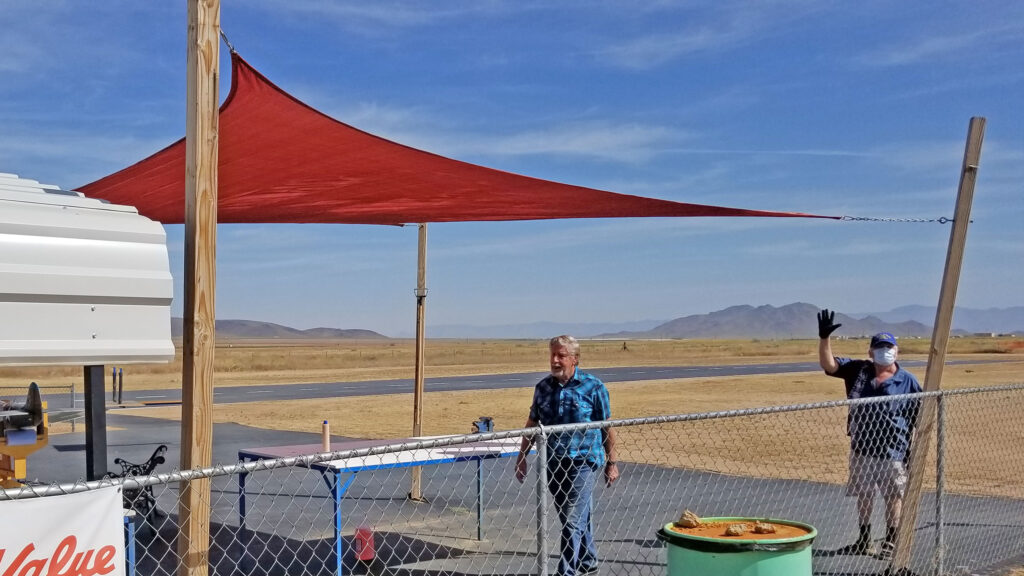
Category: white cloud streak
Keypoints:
(628, 142)
(373, 18)
(724, 26)
(939, 46)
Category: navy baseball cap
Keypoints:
(883, 338)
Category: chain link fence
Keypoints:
(349, 511)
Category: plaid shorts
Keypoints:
(869, 472)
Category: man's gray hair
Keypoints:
(567, 341)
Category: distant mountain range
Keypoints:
(796, 320)
(999, 320)
(257, 329)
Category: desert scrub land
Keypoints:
(247, 362)
(804, 445)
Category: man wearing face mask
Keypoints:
(880, 433)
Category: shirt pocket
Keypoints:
(577, 409)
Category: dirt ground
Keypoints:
(264, 362)
(806, 445)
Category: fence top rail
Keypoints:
(777, 409)
(41, 387)
(36, 491)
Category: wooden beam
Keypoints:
(415, 489)
(201, 139)
(940, 338)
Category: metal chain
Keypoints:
(226, 41)
(942, 220)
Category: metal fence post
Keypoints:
(73, 405)
(542, 502)
(940, 473)
(480, 500)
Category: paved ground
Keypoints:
(290, 513)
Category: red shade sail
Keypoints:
(282, 161)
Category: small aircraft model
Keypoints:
(20, 416)
(24, 428)
(28, 415)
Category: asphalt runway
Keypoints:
(263, 393)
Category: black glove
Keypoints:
(826, 325)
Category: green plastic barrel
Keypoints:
(724, 556)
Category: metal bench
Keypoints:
(141, 499)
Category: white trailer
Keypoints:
(82, 282)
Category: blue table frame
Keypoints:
(333, 471)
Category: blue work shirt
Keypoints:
(584, 398)
(882, 430)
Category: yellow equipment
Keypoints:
(13, 457)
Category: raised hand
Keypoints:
(826, 323)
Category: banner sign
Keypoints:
(78, 534)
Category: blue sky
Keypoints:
(839, 108)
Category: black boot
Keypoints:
(862, 546)
(889, 546)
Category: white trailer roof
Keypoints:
(81, 281)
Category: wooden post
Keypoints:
(201, 139)
(940, 338)
(415, 490)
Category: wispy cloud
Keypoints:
(379, 16)
(953, 85)
(931, 156)
(601, 140)
(627, 142)
(940, 45)
(723, 26)
(652, 51)
(71, 159)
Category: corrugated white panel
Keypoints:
(81, 281)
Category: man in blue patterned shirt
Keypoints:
(571, 396)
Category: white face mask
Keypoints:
(884, 356)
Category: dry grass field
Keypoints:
(245, 362)
(802, 445)
(809, 445)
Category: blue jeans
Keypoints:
(571, 482)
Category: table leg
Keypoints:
(129, 545)
(333, 480)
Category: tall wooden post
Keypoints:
(940, 338)
(415, 490)
(201, 139)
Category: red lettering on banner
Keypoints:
(61, 555)
(17, 560)
(66, 560)
(33, 568)
(104, 560)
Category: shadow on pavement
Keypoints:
(270, 555)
